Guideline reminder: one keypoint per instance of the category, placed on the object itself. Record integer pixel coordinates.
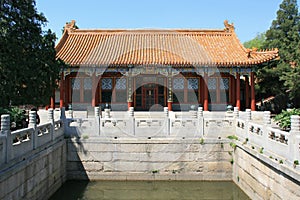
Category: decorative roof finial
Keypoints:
(70, 25)
(228, 27)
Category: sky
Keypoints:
(250, 17)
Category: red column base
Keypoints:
(205, 106)
(253, 106)
(93, 102)
(170, 106)
(61, 103)
(238, 104)
(130, 104)
(52, 103)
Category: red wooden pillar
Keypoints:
(238, 91)
(52, 100)
(247, 91)
(62, 90)
(252, 92)
(94, 90)
(205, 99)
(170, 105)
(130, 104)
(129, 90)
(170, 93)
(233, 93)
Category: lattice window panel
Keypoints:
(193, 84)
(212, 84)
(178, 84)
(87, 84)
(224, 84)
(121, 84)
(106, 83)
(76, 84)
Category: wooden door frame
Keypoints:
(144, 94)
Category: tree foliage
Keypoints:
(257, 42)
(28, 68)
(282, 77)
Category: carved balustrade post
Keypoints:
(236, 112)
(267, 118)
(131, 117)
(200, 121)
(5, 132)
(294, 138)
(51, 120)
(266, 124)
(200, 112)
(97, 119)
(166, 114)
(5, 124)
(106, 113)
(32, 124)
(248, 114)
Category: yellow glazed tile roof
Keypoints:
(94, 48)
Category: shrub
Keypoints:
(16, 117)
(284, 118)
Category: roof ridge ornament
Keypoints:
(70, 26)
(228, 27)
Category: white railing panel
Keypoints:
(58, 130)
(255, 134)
(184, 127)
(21, 142)
(150, 127)
(116, 127)
(278, 142)
(241, 128)
(43, 134)
(214, 127)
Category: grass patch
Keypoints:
(280, 161)
(232, 137)
(201, 140)
(261, 150)
(233, 145)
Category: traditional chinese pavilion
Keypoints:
(148, 69)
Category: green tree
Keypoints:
(28, 67)
(257, 42)
(279, 77)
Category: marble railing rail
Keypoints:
(192, 124)
(283, 145)
(15, 144)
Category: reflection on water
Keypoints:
(81, 190)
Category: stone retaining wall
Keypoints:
(150, 159)
(263, 178)
(38, 176)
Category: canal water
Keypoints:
(144, 190)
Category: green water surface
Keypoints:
(110, 190)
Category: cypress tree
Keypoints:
(282, 77)
(28, 68)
